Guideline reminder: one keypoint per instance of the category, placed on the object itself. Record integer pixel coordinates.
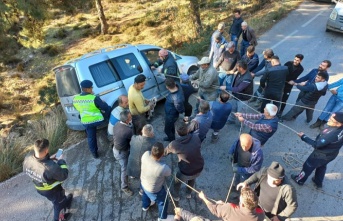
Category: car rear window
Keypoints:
(126, 65)
(103, 74)
(66, 81)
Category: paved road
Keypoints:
(95, 183)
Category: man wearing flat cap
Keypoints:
(277, 197)
(138, 105)
(326, 148)
(90, 107)
(207, 78)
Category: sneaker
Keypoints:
(140, 192)
(69, 200)
(127, 191)
(189, 196)
(294, 178)
(151, 204)
(316, 184)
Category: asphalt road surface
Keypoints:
(96, 183)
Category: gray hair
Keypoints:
(244, 23)
(148, 130)
(124, 115)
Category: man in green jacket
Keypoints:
(276, 195)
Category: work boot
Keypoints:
(316, 184)
(321, 127)
(318, 123)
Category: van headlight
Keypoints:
(333, 15)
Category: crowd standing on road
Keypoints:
(225, 80)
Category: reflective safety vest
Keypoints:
(89, 113)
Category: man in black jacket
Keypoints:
(169, 68)
(236, 28)
(173, 106)
(190, 162)
(273, 82)
(294, 70)
(122, 133)
(308, 97)
(326, 149)
(188, 90)
(242, 88)
(47, 176)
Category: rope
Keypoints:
(194, 189)
(171, 197)
(228, 193)
(165, 200)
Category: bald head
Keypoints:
(246, 141)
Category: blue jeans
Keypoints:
(159, 198)
(333, 105)
(122, 157)
(57, 197)
(225, 77)
(91, 136)
(244, 46)
(235, 39)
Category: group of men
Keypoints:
(225, 81)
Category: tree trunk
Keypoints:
(102, 18)
(194, 5)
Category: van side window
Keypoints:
(103, 74)
(150, 56)
(126, 65)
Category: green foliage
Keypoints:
(61, 33)
(48, 94)
(11, 157)
(51, 50)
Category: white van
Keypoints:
(112, 71)
(335, 21)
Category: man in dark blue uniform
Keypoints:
(48, 173)
(326, 148)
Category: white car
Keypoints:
(335, 21)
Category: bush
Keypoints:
(51, 50)
(11, 157)
(61, 33)
(48, 94)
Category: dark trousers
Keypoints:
(188, 109)
(314, 162)
(297, 110)
(91, 136)
(190, 180)
(138, 122)
(57, 197)
(169, 126)
(271, 96)
(285, 96)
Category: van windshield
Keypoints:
(66, 81)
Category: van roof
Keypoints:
(111, 48)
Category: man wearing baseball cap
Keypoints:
(277, 197)
(207, 78)
(90, 107)
(326, 148)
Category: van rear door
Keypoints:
(67, 86)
